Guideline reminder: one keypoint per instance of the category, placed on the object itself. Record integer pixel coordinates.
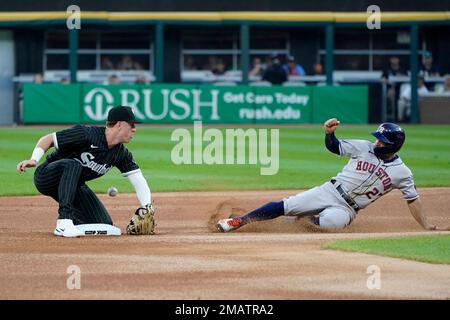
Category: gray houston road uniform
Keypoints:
(364, 179)
(81, 155)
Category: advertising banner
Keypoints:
(183, 103)
(51, 103)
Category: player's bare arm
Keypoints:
(416, 209)
(44, 143)
(331, 125)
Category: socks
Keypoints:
(268, 211)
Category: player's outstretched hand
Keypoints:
(23, 165)
(331, 125)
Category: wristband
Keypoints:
(38, 152)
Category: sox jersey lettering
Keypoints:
(366, 178)
(88, 146)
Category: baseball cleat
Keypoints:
(66, 228)
(314, 220)
(226, 225)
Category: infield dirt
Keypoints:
(187, 259)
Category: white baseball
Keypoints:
(112, 191)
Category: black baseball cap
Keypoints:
(122, 113)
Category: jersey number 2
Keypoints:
(372, 193)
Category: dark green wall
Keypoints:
(172, 48)
(29, 41)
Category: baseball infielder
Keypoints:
(373, 170)
(85, 153)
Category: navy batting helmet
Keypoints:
(392, 135)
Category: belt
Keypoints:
(345, 196)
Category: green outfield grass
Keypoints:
(432, 249)
(304, 160)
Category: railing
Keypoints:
(236, 76)
(391, 115)
(90, 76)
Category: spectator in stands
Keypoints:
(257, 68)
(393, 88)
(189, 63)
(447, 84)
(394, 69)
(218, 68)
(318, 69)
(127, 63)
(38, 78)
(445, 88)
(275, 74)
(65, 80)
(107, 64)
(292, 68)
(141, 79)
(404, 102)
(212, 60)
(113, 79)
(428, 68)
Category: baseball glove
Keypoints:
(142, 222)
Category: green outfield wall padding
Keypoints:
(185, 103)
(51, 103)
(348, 103)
